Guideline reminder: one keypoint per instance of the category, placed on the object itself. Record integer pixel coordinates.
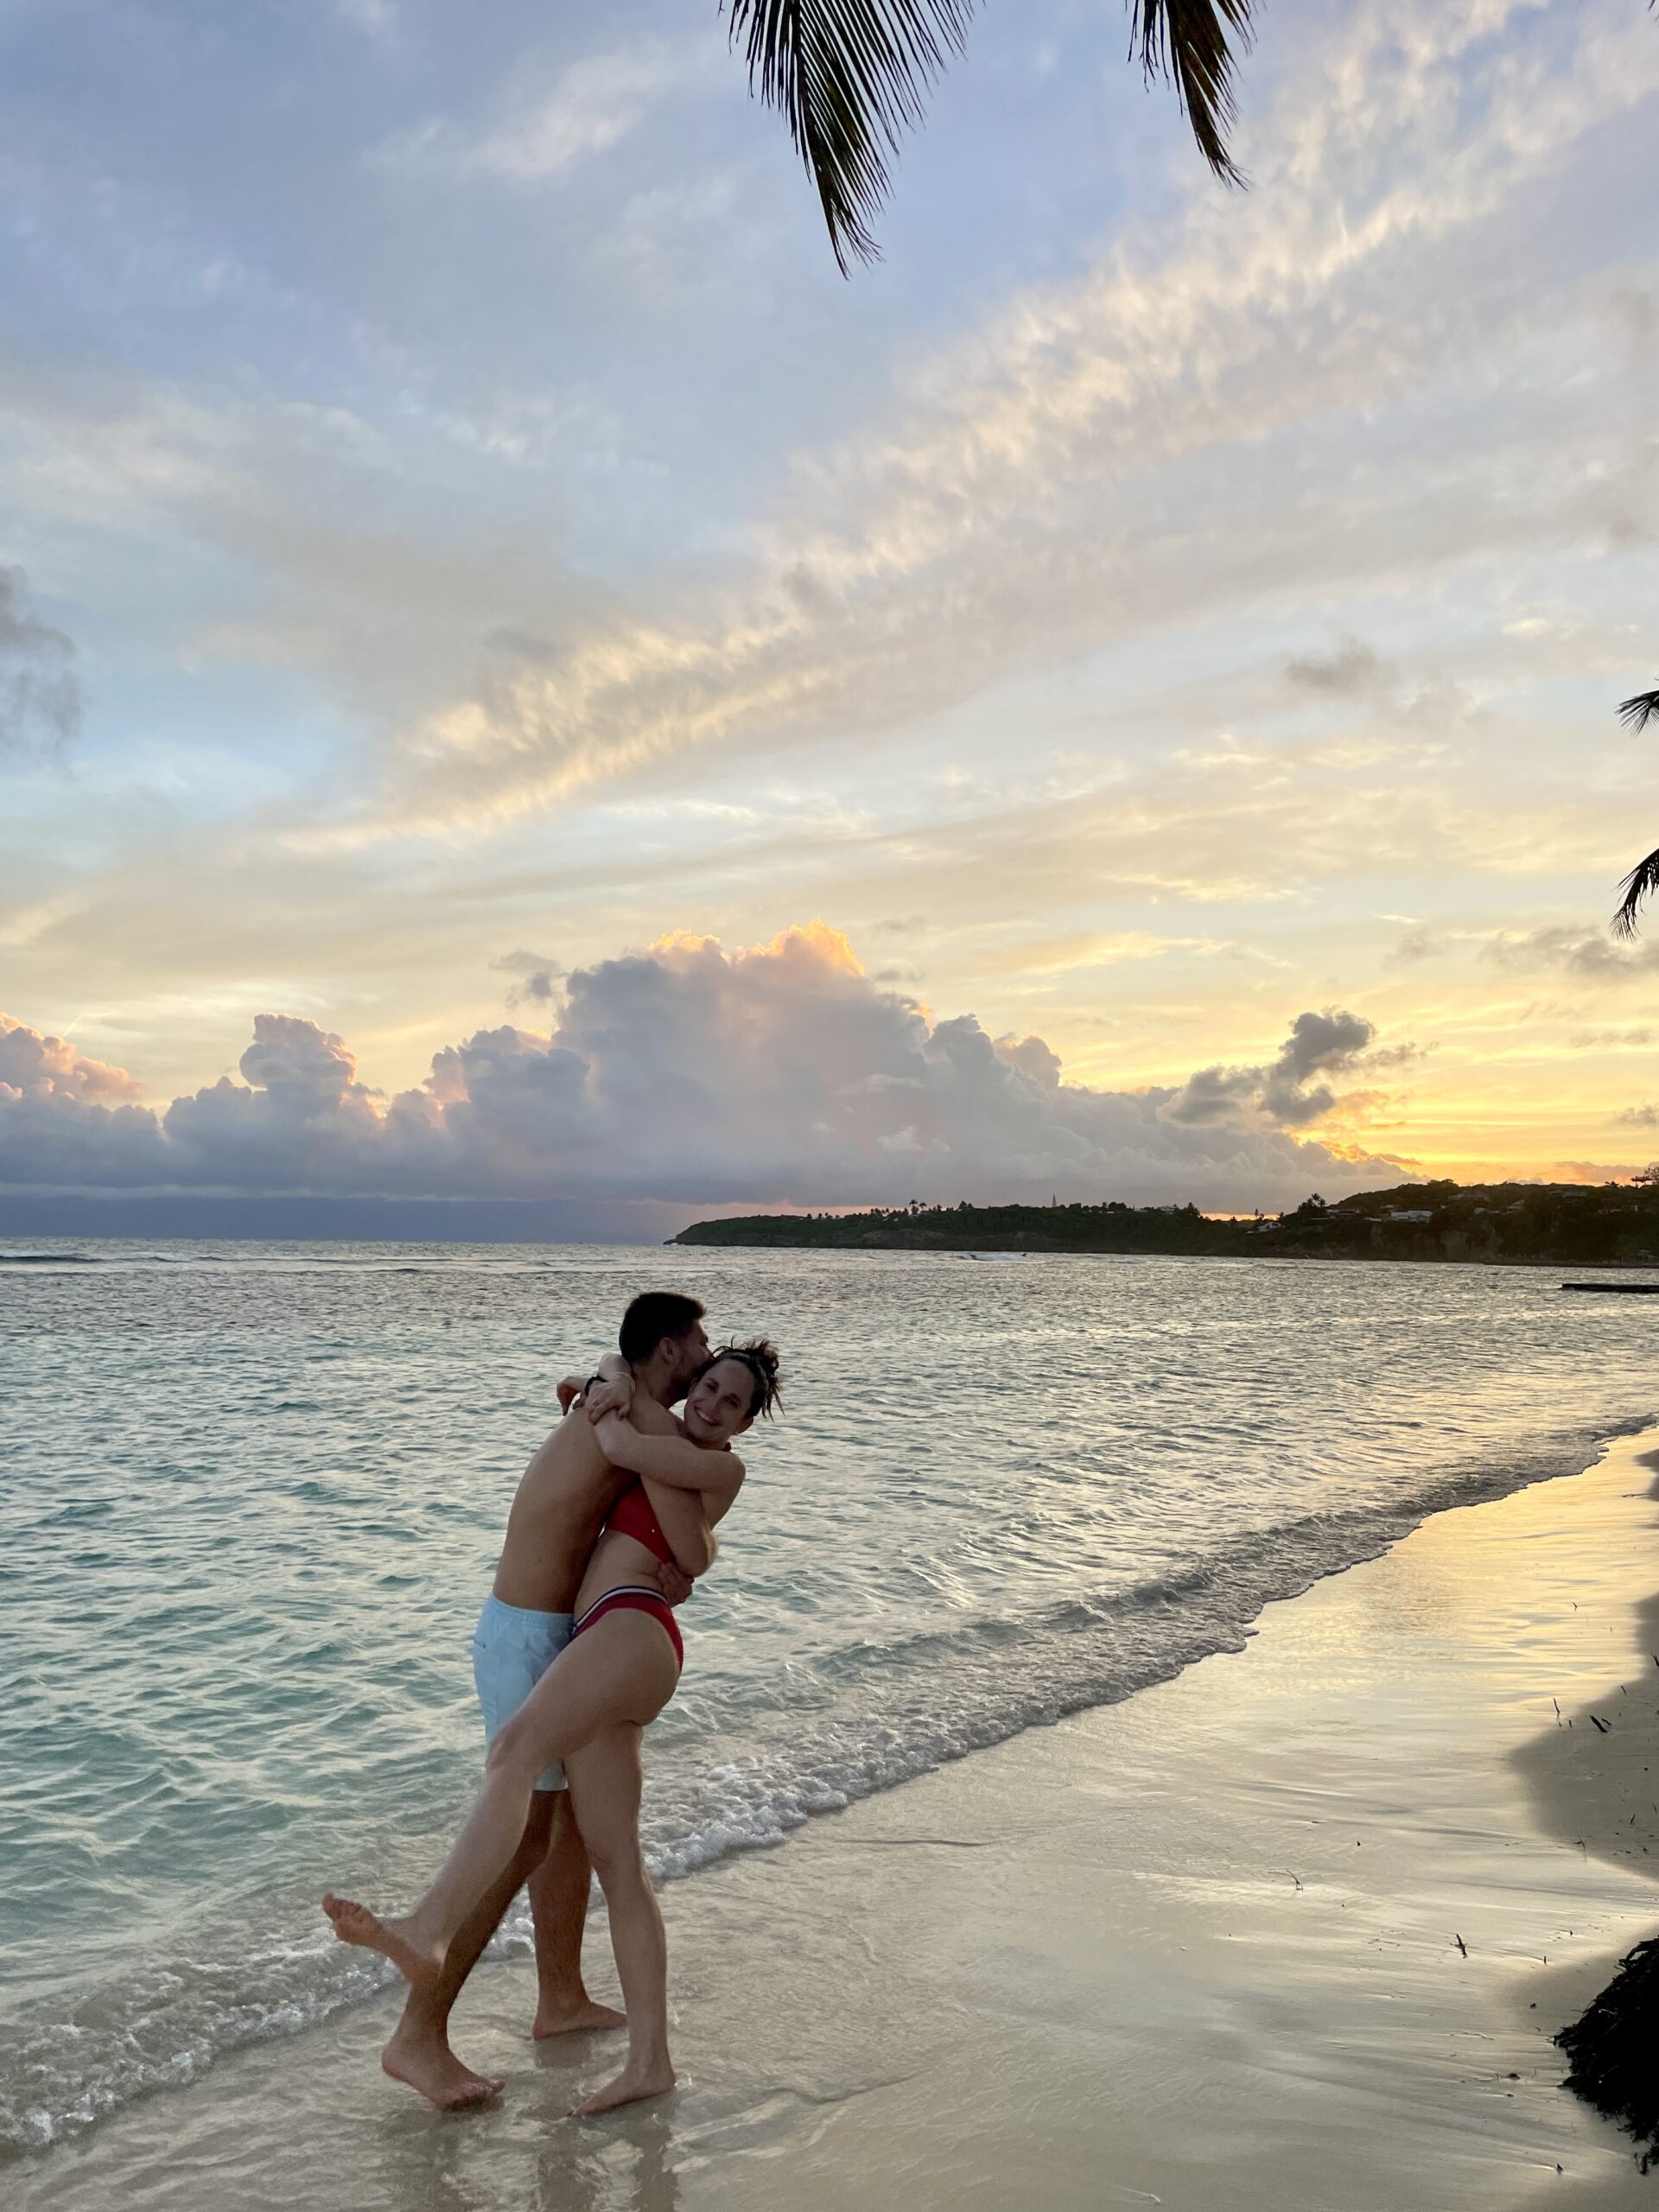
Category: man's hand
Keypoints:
(610, 1398)
(676, 1584)
(570, 1391)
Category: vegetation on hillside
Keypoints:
(1577, 1223)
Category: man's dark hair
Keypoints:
(653, 1316)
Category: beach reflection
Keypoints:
(468, 2164)
(626, 2170)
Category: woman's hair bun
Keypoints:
(759, 1356)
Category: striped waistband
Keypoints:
(635, 1598)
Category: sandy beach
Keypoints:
(1291, 1930)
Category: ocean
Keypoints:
(253, 1494)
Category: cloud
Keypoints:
(1279, 1093)
(538, 978)
(1352, 667)
(1638, 1117)
(782, 1074)
(1416, 945)
(591, 106)
(39, 692)
(1075, 470)
(1573, 948)
(1611, 1040)
(49, 1067)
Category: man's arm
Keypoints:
(609, 1389)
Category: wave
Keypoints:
(49, 1259)
(886, 1712)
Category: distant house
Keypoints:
(1409, 1213)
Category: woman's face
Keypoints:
(718, 1408)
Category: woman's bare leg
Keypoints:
(620, 1670)
(605, 1796)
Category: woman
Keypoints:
(620, 1669)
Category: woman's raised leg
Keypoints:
(620, 1671)
(605, 1781)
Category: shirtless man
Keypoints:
(562, 1502)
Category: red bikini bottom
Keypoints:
(635, 1599)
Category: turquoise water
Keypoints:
(253, 1494)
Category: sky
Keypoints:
(520, 683)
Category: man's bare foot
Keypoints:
(570, 2020)
(355, 1923)
(630, 2085)
(430, 2065)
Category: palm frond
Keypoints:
(847, 76)
(1637, 712)
(1195, 41)
(1640, 885)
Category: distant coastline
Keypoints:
(1511, 1224)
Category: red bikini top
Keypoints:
(632, 1517)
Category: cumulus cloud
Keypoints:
(780, 1074)
(49, 1067)
(40, 691)
(1283, 1092)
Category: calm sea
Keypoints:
(252, 1497)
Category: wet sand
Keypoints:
(1200, 1950)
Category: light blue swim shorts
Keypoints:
(513, 1648)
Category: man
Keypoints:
(562, 1505)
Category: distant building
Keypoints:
(1409, 1213)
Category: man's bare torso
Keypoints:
(562, 1502)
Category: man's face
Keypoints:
(690, 1357)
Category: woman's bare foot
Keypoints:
(561, 2020)
(427, 2065)
(630, 2085)
(394, 1939)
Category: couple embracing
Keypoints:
(577, 1651)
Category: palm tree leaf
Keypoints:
(849, 75)
(1194, 42)
(1638, 712)
(1641, 884)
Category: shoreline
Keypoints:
(1205, 1937)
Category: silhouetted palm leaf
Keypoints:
(1642, 881)
(849, 75)
(1188, 40)
(1639, 885)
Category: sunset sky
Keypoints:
(468, 549)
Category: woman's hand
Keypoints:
(615, 1437)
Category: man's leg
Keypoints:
(558, 1912)
(419, 2052)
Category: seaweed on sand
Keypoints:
(1611, 2049)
